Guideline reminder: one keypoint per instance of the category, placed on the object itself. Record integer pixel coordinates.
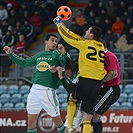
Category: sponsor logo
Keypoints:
(113, 118)
(5, 122)
(46, 123)
(111, 129)
(42, 66)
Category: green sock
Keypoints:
(32, 130)
(61, 129)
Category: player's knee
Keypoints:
(96, 116)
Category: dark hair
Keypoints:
(97, 32)
(72, 65)
(49, 35)
(103, 42)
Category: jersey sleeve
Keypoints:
(21, 61)
(69, 87)
(70, 37)
(110, 62)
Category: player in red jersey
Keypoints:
(110, 90)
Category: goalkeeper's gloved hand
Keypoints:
(57, 21)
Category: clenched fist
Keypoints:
(61, 49)
(7, 49)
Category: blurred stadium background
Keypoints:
(15, 81)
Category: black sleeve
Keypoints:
(70, 88)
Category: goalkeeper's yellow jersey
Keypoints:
(91, 54)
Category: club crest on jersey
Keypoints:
(42, 66)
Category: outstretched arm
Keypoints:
(19, 61)
(70, 37)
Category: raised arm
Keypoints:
(19, 61)
(70, 37)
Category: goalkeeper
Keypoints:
(91, 68)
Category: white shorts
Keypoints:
(41, 97)
(78, 118)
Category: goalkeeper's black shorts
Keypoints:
(88, 91)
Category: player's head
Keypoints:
(71, 68)
(51, 42)
(93, 33)
(103, 42)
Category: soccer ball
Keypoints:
(64, 12)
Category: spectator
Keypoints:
(100, 8)
(27, 31)
(130, 36)
(91, 18)
(89, 8)
(13, 17)
(8, 39)
(95, 3)
(16, 31)
(3, 12)
(98, 22)
(19, 47)
(130, 9)
(14, 4)
(122, 7)
(125, 16)
(25, 16)
(117, 26)
(29, 5)
(18, 25)
(9, 7)
(5, 27)
(106, 25)
(130, 65)
(110, 38)
(22, 9)
(111, 10)
(102, 16)
(80, 17)
(44, 13)
(51, 8)
(127, 25)
(37, 22)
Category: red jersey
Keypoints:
(19, 47)
(111, 63)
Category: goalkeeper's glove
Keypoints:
(57, 21)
